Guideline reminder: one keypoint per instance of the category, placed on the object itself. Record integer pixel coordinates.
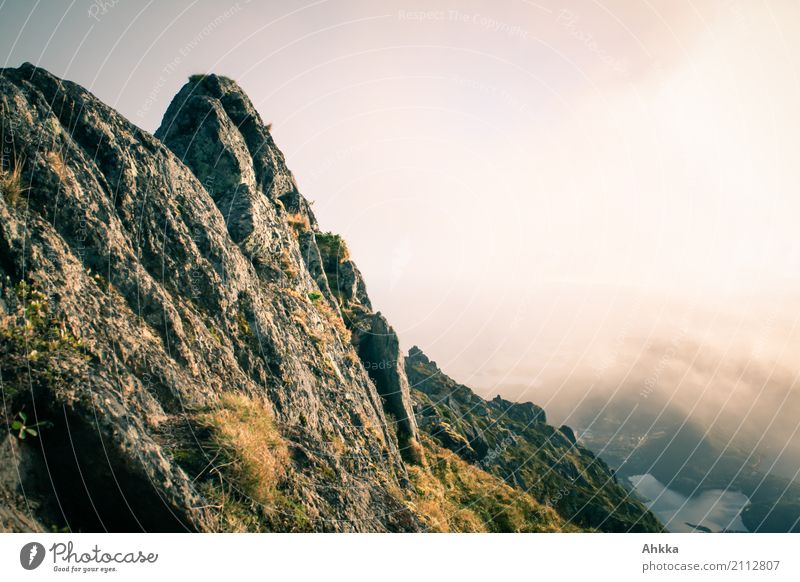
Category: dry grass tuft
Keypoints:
(11, 184)
(451, 495)
(334, 320)
(256, 456)
(247, 488)
(287, 265)
(299, 222)
(58, 165)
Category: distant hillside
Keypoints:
(514, 442)
(685, 456)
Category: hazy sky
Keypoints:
(521, 182)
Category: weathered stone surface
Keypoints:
(16, 466)
(375, 340)
(351, 285)
(179, 296)
(379, 350)
(212, 126)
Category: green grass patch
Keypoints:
(35, 345)
(332, 247)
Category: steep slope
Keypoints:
(214, 128)
(183, 349)
(514, 442)
(170, 313)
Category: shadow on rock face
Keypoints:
(86, 485)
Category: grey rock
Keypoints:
(180, 294)
(379, 350)
(569, 433)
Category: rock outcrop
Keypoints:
(215, 130)
(180, 283)
(183, 349)
(375, 340)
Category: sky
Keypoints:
(524, 184)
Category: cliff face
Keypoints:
(184, 349)
(178, 294)
(214, 128)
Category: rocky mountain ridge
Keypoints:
(513, 441)
(183, 349)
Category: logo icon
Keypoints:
(31, 555)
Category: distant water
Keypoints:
(715, 509)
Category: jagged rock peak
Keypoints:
(526, 411)
(199, 99)
(415, 354)
(213, 127)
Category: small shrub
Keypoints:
(332, 247)
(244, 325)
(293, 516)
(216, 335)
(24, 430)
(315, 297)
